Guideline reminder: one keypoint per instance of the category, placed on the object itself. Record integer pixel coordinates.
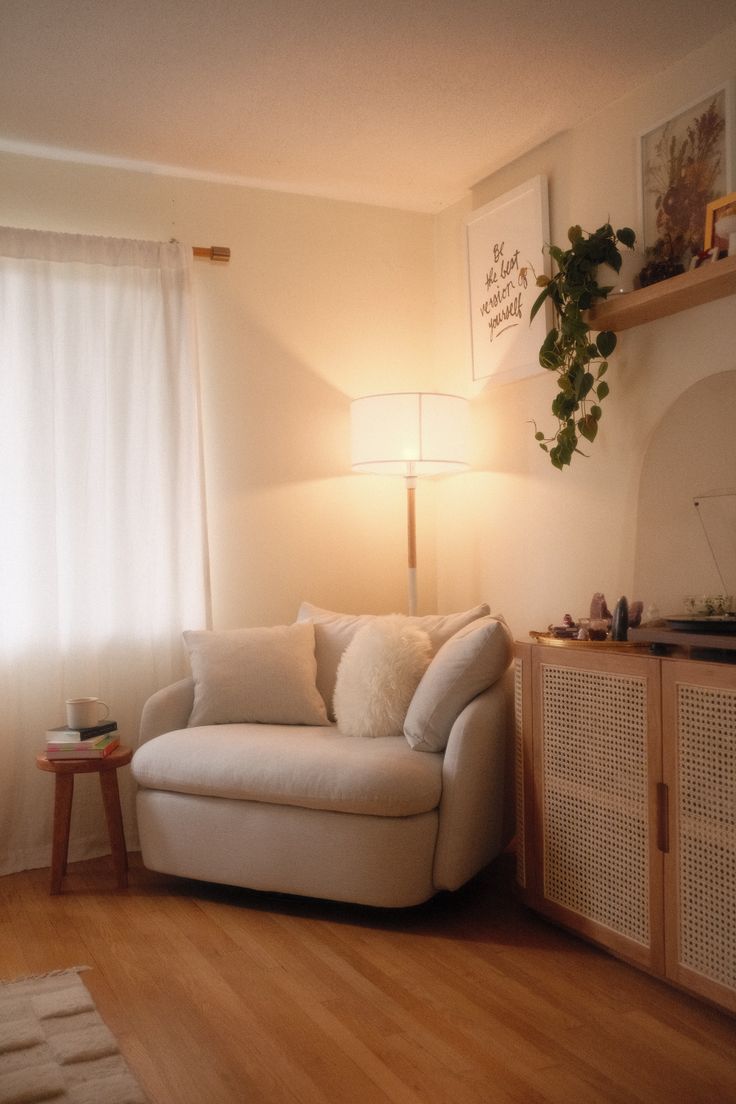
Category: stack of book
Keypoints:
(82, 743)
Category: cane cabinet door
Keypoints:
(593, 861)
(699, 714)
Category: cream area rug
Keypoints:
(54, 1046)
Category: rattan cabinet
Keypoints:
(626, 806)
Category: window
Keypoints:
(103, 556)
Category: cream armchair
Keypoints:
(306, 809)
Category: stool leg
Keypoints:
(111, 801)
(63, 794)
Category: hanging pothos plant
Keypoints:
(568, 349)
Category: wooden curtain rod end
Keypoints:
(212, 252)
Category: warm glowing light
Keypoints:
(410, 433)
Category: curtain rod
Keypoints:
(212, 252)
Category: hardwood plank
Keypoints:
(223, 995)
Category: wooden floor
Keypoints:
(221, 996)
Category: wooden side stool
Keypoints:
(65, 770)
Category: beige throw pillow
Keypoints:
(466, 665)
(265, 675)
(378, 674)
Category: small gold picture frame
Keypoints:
(716, 209)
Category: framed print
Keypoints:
(685, 163)
(720, 223)
(505, 250)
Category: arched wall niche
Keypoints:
(692, 454)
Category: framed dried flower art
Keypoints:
(686, 162)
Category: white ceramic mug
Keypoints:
(85, 712)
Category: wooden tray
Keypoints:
(564, 642)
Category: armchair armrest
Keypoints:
(167, 709)
(476, 808)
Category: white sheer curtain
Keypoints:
(103, 556)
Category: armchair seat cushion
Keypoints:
(307, 767)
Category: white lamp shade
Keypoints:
(410, 433)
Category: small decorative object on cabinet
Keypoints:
(626, 793)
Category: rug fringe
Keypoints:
(50, 974)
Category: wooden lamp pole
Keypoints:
(411, 526)
(409, 433)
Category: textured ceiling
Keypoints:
(400, 102)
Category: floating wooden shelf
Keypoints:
(713, 280)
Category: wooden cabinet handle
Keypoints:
(663, 816)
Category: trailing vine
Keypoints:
(569, 349)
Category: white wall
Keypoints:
(322, 301)
(699, 542)
(535, 541)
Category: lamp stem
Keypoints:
(411, 529)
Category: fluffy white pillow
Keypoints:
(334, 631)
(377, 676)
(466, 665)
(263, 675)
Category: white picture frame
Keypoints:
(505, 253)
(651, 163)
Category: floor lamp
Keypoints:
(411, 434)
